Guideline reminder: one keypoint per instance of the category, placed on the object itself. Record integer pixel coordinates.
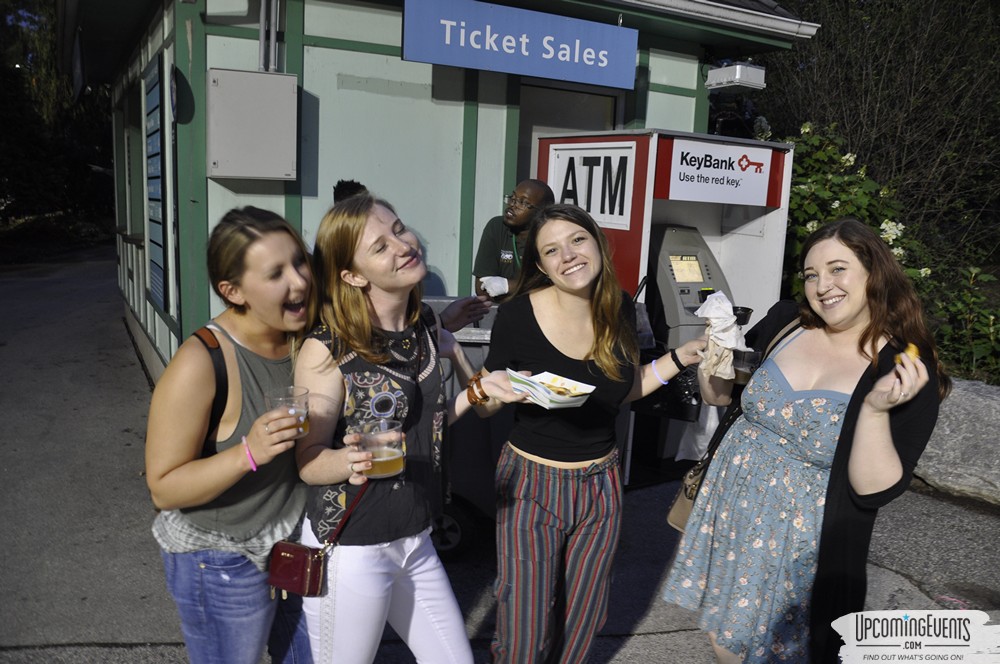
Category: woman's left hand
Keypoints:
(690, 353)
(497, 386)
(898, 386)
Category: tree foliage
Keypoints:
(911, 87)
(55, 150)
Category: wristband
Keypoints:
(246, 446)
(677, 360)
(657, 374)
(474, 385)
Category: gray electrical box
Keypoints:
(252, 127)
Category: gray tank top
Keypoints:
(273, 493)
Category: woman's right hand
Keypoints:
(357, 460)
(273, 433)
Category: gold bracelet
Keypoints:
(474, 385)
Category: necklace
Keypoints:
(513, 244)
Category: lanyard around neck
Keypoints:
(513, 244)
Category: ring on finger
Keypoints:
(267, 428)
(352, 467)
(904, 394)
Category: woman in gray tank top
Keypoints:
(227, 486)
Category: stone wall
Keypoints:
(963, 455)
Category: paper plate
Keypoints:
(548, 389)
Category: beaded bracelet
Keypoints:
(474, 385)
(246, 446)
(677, 360)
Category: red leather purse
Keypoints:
(299, 569)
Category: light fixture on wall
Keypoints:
(739, 75)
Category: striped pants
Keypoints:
(557, 532)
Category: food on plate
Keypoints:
(910, 350)
(563, 391)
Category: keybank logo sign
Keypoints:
(698, 162)
(918, 636)
(726, 163)
(733, 174)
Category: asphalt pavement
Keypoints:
(80, 574)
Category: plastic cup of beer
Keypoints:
(295, 401)
(745, 362)
(384, 439)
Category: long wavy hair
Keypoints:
(344, 308)
(613, 348)
(894, 308)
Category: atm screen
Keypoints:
(687, 269)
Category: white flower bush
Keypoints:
(891, 230)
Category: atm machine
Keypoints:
(673, 421)
(686, 215)
(685, 269)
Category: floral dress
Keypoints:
(748, 559)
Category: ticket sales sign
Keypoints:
(479, 35)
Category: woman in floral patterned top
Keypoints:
(833, 423)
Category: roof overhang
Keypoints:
(772, 24)
(97, 37)
(725, 30)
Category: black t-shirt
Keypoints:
(398, 506)
(500, 252)
(562, 434)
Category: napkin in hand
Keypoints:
(724, 336)
(495, 286)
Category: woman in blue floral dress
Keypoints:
(832, 425)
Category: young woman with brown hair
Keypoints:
(833, 423)
(558, 485)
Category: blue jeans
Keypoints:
(227, 614)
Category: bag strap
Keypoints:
(335, 535)
(735, 409)
(211, 342)
(785, 331)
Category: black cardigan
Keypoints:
(849, 518)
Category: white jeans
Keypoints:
(400, 582)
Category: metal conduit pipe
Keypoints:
(273, 65)
(262, 37)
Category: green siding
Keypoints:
(192, 178)
(467, 214)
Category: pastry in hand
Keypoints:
(910, 350)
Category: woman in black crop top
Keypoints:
(376, 354)
(558, 483)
